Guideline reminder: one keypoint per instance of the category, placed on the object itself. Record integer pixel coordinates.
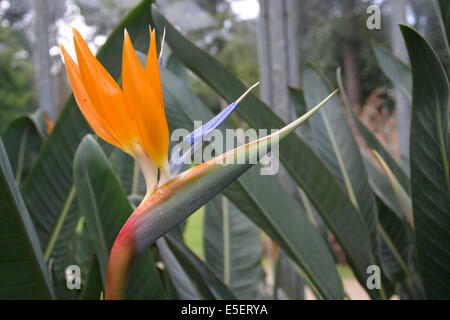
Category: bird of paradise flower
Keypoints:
(133, 119)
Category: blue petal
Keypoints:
(196, 137)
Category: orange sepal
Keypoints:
(105, 95)
(152, 71)
(84, 103)
(147, 106)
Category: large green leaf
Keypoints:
(392, 245)
(297, 97)
(195, 271)
(262, 198)
(444, 19)
(23, 274)
(429, 165)
(297, 157)
(129, 173)
(198, 270)
(82, 250)
(184, 287)
(400, 193)
(68, 248)
(47, 187)
(232, 247)
(383, 189)
(93, 284)
(23, 140)
(395, 234)
(106, 208)
(389, 253)
(177, 68)
(338, 149)
(395, 69)
(396, 249)
(398, 253)
(371, 140)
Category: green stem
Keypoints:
(226, 241)
(442, 25)
(21, 159)
(307, 206)
(382, 293)
(135, 181)
(276, 278)
(401, 194)
(341, 163)
(59, 224)
(396, 254)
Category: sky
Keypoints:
(245, 9)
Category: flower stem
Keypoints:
(120, 260)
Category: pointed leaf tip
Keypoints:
(247, 92)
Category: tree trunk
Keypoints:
(41, 57)
(278, 67)
(351, 65)
(403, 106)
(278, 55)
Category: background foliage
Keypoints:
(65, 194)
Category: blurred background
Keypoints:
(258, 40)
